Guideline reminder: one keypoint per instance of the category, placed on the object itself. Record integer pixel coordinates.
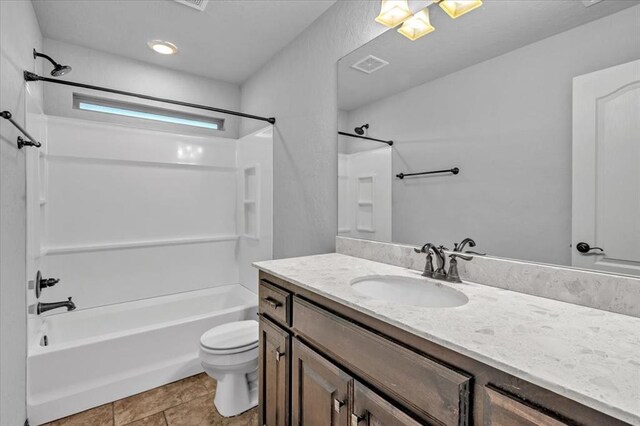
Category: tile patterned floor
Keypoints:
(188, 402)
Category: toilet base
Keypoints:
(236, 393)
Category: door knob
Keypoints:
(583, 247)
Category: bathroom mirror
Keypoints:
(516, 124)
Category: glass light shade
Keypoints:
(393, 12)
(417, 26)
(457, 8)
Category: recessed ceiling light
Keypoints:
(163, 47)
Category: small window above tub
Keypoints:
(145, 112)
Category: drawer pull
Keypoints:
(279, 355)
(355, 419)
(272, 302)
(337, 405)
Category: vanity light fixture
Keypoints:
(457, 8)
(414, 26)
(393, 12)
(163, 47)
(417, 26)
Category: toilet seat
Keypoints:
(231, 338)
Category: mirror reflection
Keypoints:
(517, 124)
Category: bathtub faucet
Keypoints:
(44, 307)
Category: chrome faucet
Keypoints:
(44, 307)
(439, 272)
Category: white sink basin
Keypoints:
(409, 291)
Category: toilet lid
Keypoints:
(232, 335)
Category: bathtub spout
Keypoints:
(44, 307)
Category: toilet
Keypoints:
(229, 354)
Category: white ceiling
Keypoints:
(229, 41)
(498, 27)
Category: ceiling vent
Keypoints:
(370, 64)
(196, 4)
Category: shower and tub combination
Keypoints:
(151, 234)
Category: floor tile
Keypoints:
(199, 412)
(99, 416)
(249, 418)
(154, 420)
(145, 404)
(202, 412)
(207, 382)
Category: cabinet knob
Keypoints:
(272, 302)
(355, 419)
(337, 405)
(279, 355)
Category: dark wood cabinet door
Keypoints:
(273, 369)
(425, 387)
(501, 409)
(370, 409)
(320, 390)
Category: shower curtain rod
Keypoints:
(390, 143)
(29, 76)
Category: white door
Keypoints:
(606, 169)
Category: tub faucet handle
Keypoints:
(42, 283)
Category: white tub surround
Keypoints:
(588, 355)
(599, 290)
(103, 354)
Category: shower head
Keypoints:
(58, 69)
(360, 130)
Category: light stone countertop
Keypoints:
(585, 354)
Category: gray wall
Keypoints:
(104, 69)
(506, 123)
(298, 86)
(19, 33)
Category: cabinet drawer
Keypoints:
(275, 303)
(426, 387)
(502, 410)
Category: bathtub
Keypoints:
(99, 355)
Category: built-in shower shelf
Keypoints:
(136, 244)
(251, 207)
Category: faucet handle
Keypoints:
(475, 252)
(454, 256)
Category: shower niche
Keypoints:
(251, 203)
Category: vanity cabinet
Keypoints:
(501, 409)
(274, 373)
(321, 392)
(324, 363)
